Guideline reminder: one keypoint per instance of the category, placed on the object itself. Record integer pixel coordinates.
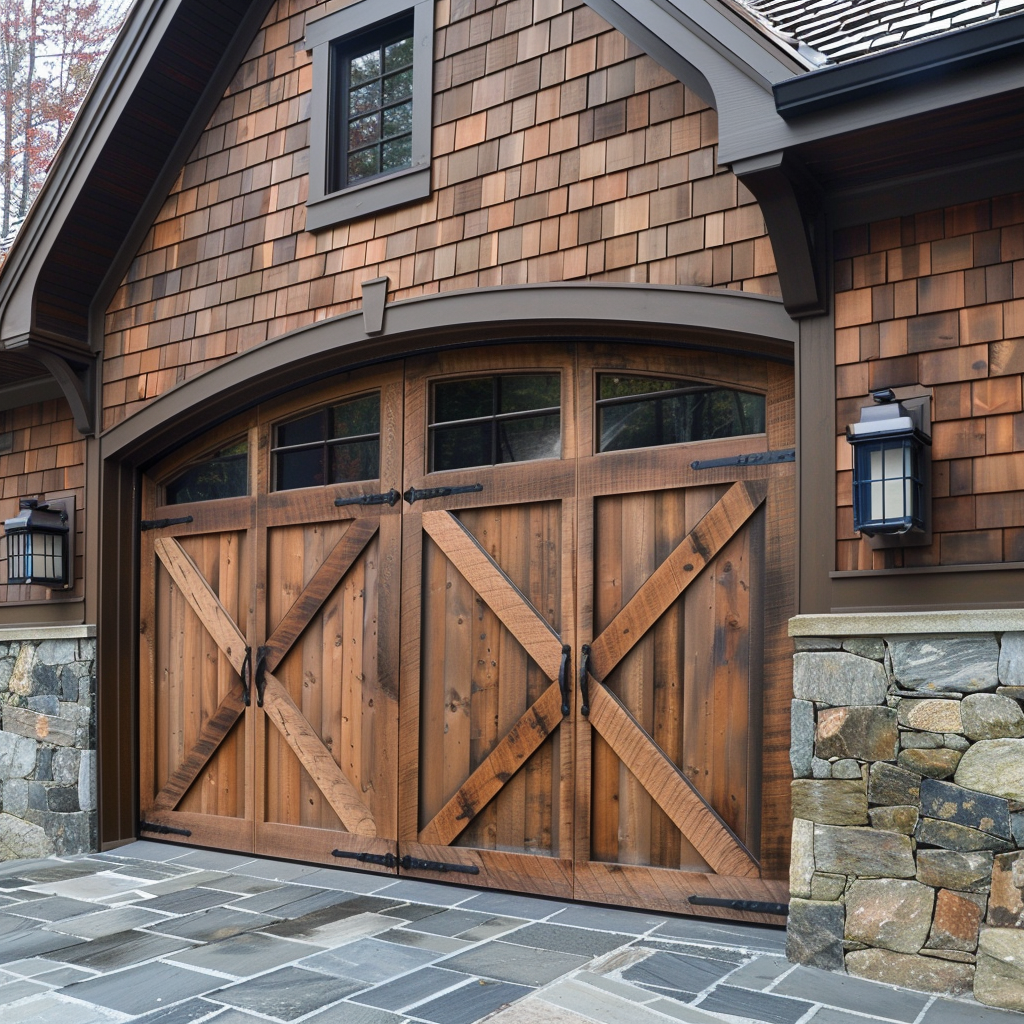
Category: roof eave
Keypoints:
(901, 67)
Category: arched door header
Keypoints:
(708, 318)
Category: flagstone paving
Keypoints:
(165, 934)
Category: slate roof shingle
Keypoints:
(843, 30)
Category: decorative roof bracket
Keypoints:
(793, 213)
(76, 376)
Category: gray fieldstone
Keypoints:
(801, 747)
(801, 859)
(815, 643)
(994, 766)
(87, 780)
(63, 798)
(888, 784)
(957, 920)
(827, 887)
(57, 652)
(927, 974)
(846, 768)
(1006, 902)
(17, 756)
(830, 802)
(21, 839)
(950, 836)
(865, 733)
(1013, 692)
(6, 668)
(955, 742)
(47, 705)
(1000, 978)
(65, 765)
(15, 796)
(902, 819)
(814, 934)
(938, 664)
(1017, 827)
(889, 913)
(989, 716)
(937, 764)
(949, 802)
(838, 678)
(70, 833)
(1011, 659)
(911, 740)
(865, 647)
(931, 715)
(863, 852)
(45, 680)
(44, 764)
(820, 768)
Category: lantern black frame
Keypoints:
(35, 540)
(913, 442)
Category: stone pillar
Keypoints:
(47, 741)
(908, 800)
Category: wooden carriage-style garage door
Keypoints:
(486, 616)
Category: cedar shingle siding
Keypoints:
(560, 153)
(938, 299)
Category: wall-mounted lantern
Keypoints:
(39, 544)
(891, 462)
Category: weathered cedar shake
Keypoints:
(938, 299)
(561, 152)
(41, 453)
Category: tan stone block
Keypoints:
(931, 715)
(1000, 979)
(927, 974)
(1006, 902)
(889, 913)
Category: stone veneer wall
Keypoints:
(908, 800)
(47, 744)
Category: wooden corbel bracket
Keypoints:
(76, 375)
(793, 214)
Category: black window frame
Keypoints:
(325, 443)
(686, 386)
(494, 418)
(342, 50)
(332, 200)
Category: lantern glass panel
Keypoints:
(888, 494)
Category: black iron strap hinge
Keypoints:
(387, 498)
(753, 459)
(408, 863)
(159, 524)
(163, 830)
(751, 906)
(415, 494)
(387, 860)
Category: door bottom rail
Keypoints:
(163, 830)
(406, 863)
(750, 906)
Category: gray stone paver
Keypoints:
(163, 934)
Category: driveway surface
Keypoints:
(173, 935)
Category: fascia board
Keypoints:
(103, 106)
(738, 95)
(732, 71)
(755, 135)
(737, 41)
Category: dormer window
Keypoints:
(371, 109)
